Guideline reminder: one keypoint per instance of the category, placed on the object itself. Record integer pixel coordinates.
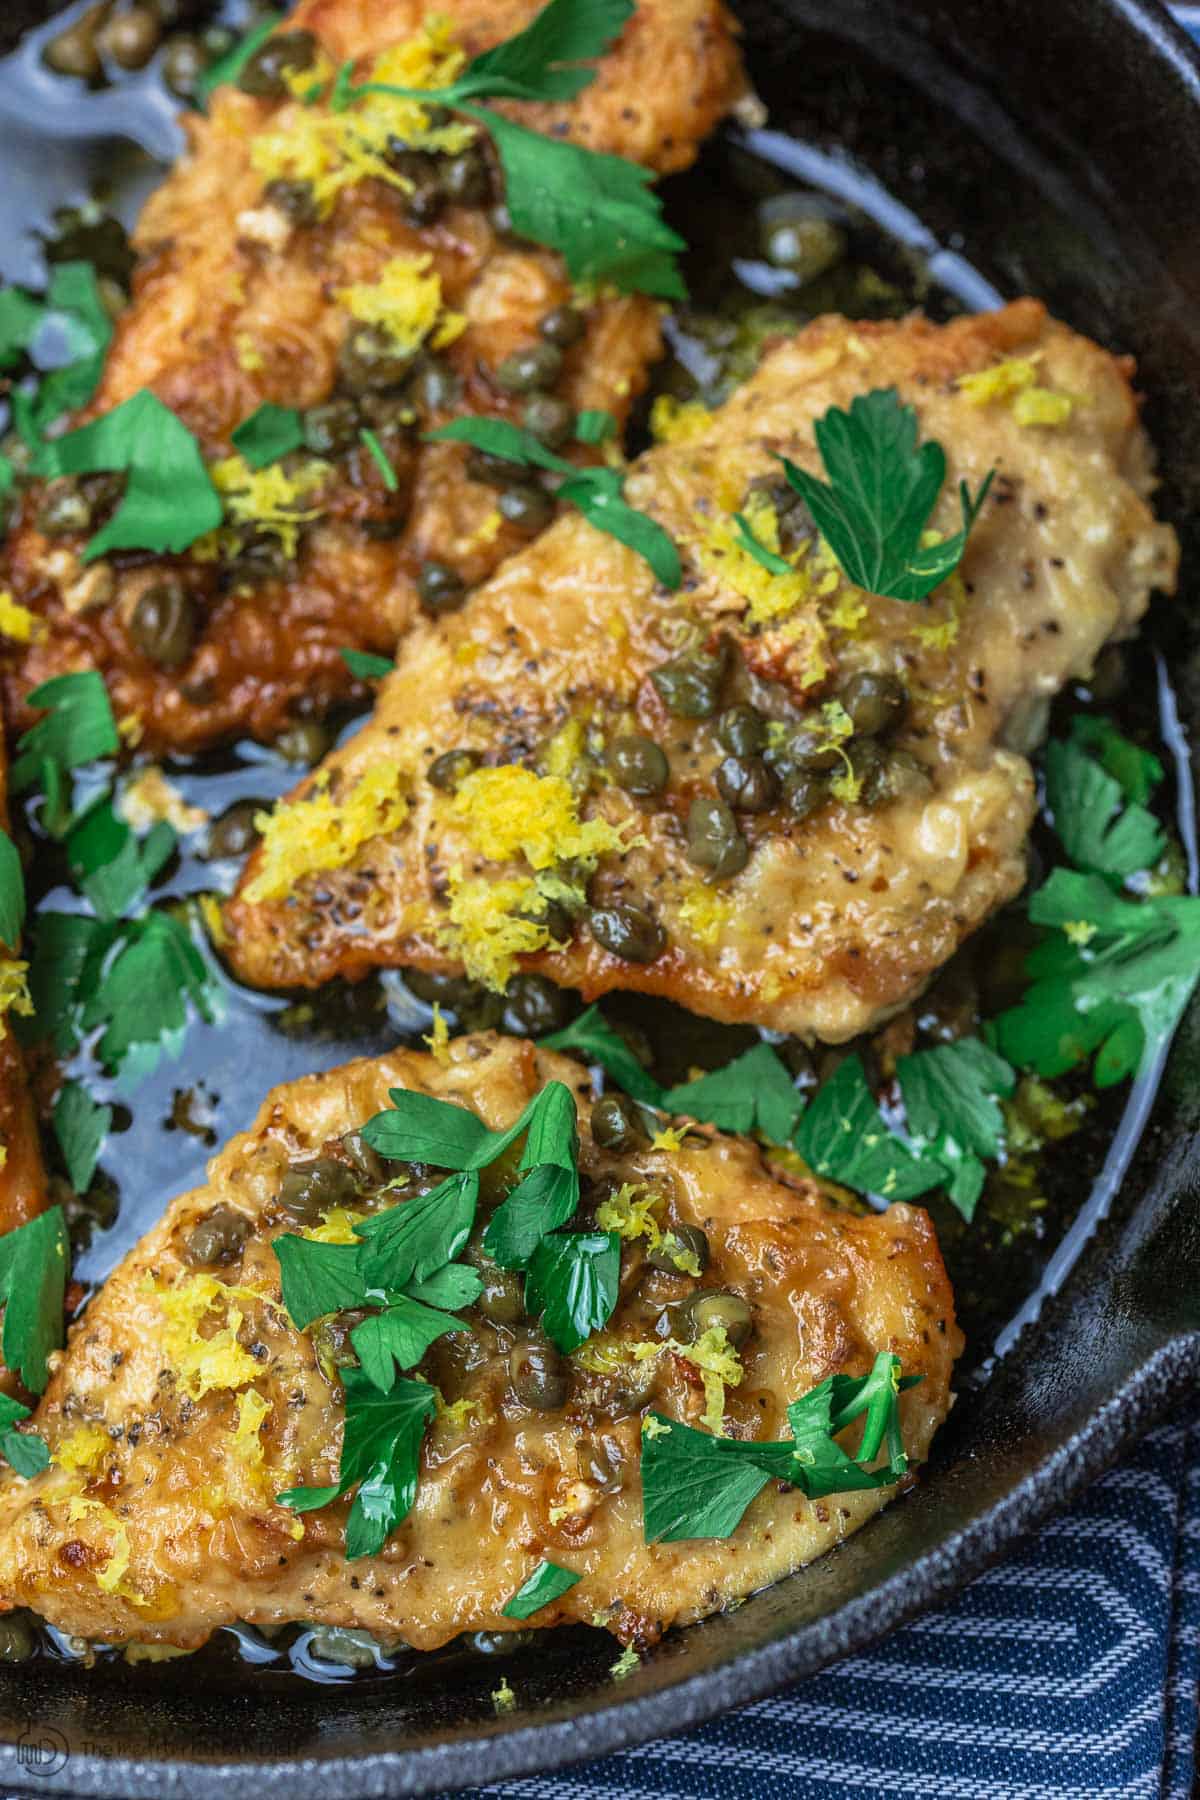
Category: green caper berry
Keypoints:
(448, 769)
(390, 413)
(332, 428)
(534, 1006)
(310, 1188)
(294, 199)
(616, 1125)
(869, 763)
(713, 839)
(305, 741)
(65, 509)
(874, 702)
(712, 1307)
(562, 327)
(286, 53)
(494, 471)
(366, 1163)
(742, 730)
(627, 932)
(132, 37)
(524, 371)
(686, 1239)
(163, 624)
(434, 386)
(538, 1376)
(690, 686)
(235, 832)
(747, 783)
(464, 179)
(810, 749)
(17, 1638)
(184, 62)
(805, 792)
(441, 589)
(219, 1237)
(550, 419)
(638, 764)
(502, 1301)
(807, 247)
(370, 359)
(525, 506)
(74, 51)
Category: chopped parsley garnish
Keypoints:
(593, 1038)
(33, 1279)
(548, 1582)
(169, 499)
(596, 210)
(12, 893)
(379, 457)
(769, 560)
(1138, 771)
(77, 728)
(596, 492)
(1102, 831)
(228, 67)
(882, 489)
(366, 667)
(112, 865)
(594, 426)
(81, 1125)
(951, 1105)
(753, 1092)
(24, 1451)
(843, 1137)
(72, 311)
(574, 1284)
(270, 432)
(697, 1486)
(398, 1337)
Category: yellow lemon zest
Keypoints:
(405, 303)
(202, 1364)
(654, 1428)
(336, 1227)
(678, 421)
(719, 1364)
(484, 931)
(1015, 380)
(511, 811)
(303, 837)
(14, 988)
(108, 1578)
(704, 914)
(438, 1039)
(720, 552)
(669, 1138)
(251, 1411)
(270, 499)
(81, 1449)
(18, 623)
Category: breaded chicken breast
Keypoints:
(185, 1401)
(281, 263)
(771, 798)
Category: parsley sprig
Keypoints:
(73, 321)
(596, 492)
(547, 1583)
(697, 1486)
(882, 488)
(598, 211)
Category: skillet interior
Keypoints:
(1058, 149)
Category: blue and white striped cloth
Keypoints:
(1068, 1673)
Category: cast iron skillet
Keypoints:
(1062, 145)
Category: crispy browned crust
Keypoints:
(206, 289)
(205, 1541)
(841, 918)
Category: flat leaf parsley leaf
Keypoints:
(81, 1125)
(595, 492)
(753, 1091)
(78, 727)
(882, 488)
(24, 1451)
(366, 667)
(270, 432)
(1138, 771)
(543, 61)
(227, 68)
(1099, 831)
(12, 893)
(843, 1137)
(951, 1103)
(547, 1583)
(33, 1278)
(593, 1038)
(573, 1282)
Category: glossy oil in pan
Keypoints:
(1054, 151)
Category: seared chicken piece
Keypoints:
(241, 297)
(832, 888)
(185, 1401)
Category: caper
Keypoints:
(219, 1237)
(616, 1125)
(713, 839)
(906, 776)
(500, 220)
(331, 428)
(366, 1162)
(535, 1006)
(747, 783)
(502, 1301)
(538, 1376)
(627, 932)
(390, 412)
(874, 702)
(434, 386)
(525, 506)
(680, 1242)
(600, 1462)
(638, 764)
(550, 419)
(742, 730)
(65, 509)
(524, 371)
(371, 359)
(713, 1307)
(132, 37)
(82, 235)
(234, 833)
(869, 764)
(345, 1648)
(805, 246)
(423, 198)
(494, 471)
(808, 748)
(448, 769)
(294, 199)
(305, 741)
(218, 40)
(183, 64)
(310, 1188)
(464, 178)
(805, 792)
(562, 326)
(17, 1639)
(75, 51)
(689, 686)
(285, 53)
(441, 589)
(163, 625)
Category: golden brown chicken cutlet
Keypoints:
(185, 1401)
(773, 799)
(368, 306)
